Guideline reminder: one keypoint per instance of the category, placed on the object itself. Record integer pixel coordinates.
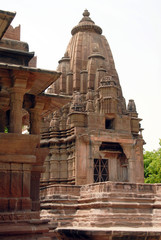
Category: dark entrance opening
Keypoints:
(109, 124)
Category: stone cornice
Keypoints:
(86, 27)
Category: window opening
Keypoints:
(109, 123)
(101, 170)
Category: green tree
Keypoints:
(152, 166)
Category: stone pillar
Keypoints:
(35, 123)
(129, 150)
(36, 171)
(2, 120)
(35, 185)
(63, 163)
(16, 101)
(54, 162)
(113, 169)
(83, 159)
(71, 162)
(35, 120)
(46, 175)
(83, 81)
(131, 170)
(99, 75)
(69, 87)
(4, 106)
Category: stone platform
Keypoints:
(116, 233)
(95, 209)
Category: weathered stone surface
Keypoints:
(106, 204)
(21, 159)
(5, 21)
(95, 137)
(110, 234)
(131, 210)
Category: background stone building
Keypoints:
(96, 137)
(21, 159)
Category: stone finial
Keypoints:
(86, 17)
(86, 24)
(86, 13)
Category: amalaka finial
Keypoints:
(86, 13)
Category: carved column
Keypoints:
(45, 175)
(113, 174)
(2, 120)
(129, 150)
(35, 120)
(35, 123)
(131, 170)
(83, 81)
(16, 101)
(99, 75)
(54, 164)
(63, 163)
(35, 117)
(69, 87)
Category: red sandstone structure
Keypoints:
(96, 138)
(21, 159)
(92, 185)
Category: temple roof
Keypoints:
(38, 79)
(87, 50)
(5, 20)
(87, 41)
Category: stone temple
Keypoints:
(83, 150)
(96, 137)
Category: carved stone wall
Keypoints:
(97, 115)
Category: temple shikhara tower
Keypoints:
(96, 137)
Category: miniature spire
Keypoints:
(131, 106)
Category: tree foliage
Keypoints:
(152, 166)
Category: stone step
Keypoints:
(122, 205)
(62, 201)
(118, 199)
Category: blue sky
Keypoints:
(133, 30)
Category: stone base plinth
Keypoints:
(106, 211)
(20, 168)
(18, 226)
(108, 233)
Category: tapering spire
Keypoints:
(131, 106)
